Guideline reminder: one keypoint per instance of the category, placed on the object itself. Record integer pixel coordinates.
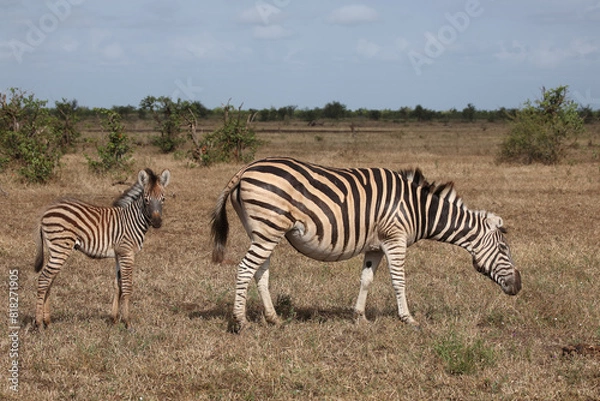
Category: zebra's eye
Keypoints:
(146, 199)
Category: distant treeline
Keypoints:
(337, 111)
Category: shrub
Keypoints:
(235, 140)
(116, 153)
(168, 117)
(27, 138)
(65, 123)
(542, 131)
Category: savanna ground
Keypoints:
(476, 343)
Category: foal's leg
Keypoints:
(118, 293)
(58, 254)
(125, 261)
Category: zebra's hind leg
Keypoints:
(256, 257)
(369, 268)
(58, 254)
(262, 282)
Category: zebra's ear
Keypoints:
(143, 178)
(165, 177)
(494, 221)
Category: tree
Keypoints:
(468, 113)
(334, 110)
(542, 130)
(374, 114)
(167, 115)
(27, 138)
(309, 115)
(422, 114)
(66, 122)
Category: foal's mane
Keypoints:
(135, 191)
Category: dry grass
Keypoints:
(476, 343)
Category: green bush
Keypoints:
(28, 138)
(235, 140)
(543, 130)
(116, 153)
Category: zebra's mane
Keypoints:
(443, 191)
(135, 191)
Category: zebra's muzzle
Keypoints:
(156, 220)
(512, 285)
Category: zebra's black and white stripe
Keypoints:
(99, 232)
(337, 213)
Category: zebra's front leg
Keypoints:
(118, 293)
(126, 288)
(369, 268)
(395, 252)
(262, 282)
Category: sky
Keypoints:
(275, 53)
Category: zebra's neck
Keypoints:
(128, 197)
(449, 221)
(132, 205)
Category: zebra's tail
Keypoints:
(39, 256)
(220, 227)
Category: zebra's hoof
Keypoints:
(360, 318)
(237, 327)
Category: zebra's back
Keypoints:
(327, 213)
(94, 228)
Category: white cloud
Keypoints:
(352, 15)
(387, 52)
(261, 14)
(266, 20)
(69, 44)
(203, 46)
(515, 53)
(270, 32)
(583, 47)
(546, 54)
(367, 49)
(402, 44)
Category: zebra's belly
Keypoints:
(95, 253)
(309, 245)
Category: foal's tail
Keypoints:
(39, 244)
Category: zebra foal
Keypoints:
(332, 214)
(99, 232)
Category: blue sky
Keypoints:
(379, 54)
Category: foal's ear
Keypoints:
(143, 178)
(165, 177)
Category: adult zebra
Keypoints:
(99, 232)
(333, 214)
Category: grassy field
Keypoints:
(475, 344)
